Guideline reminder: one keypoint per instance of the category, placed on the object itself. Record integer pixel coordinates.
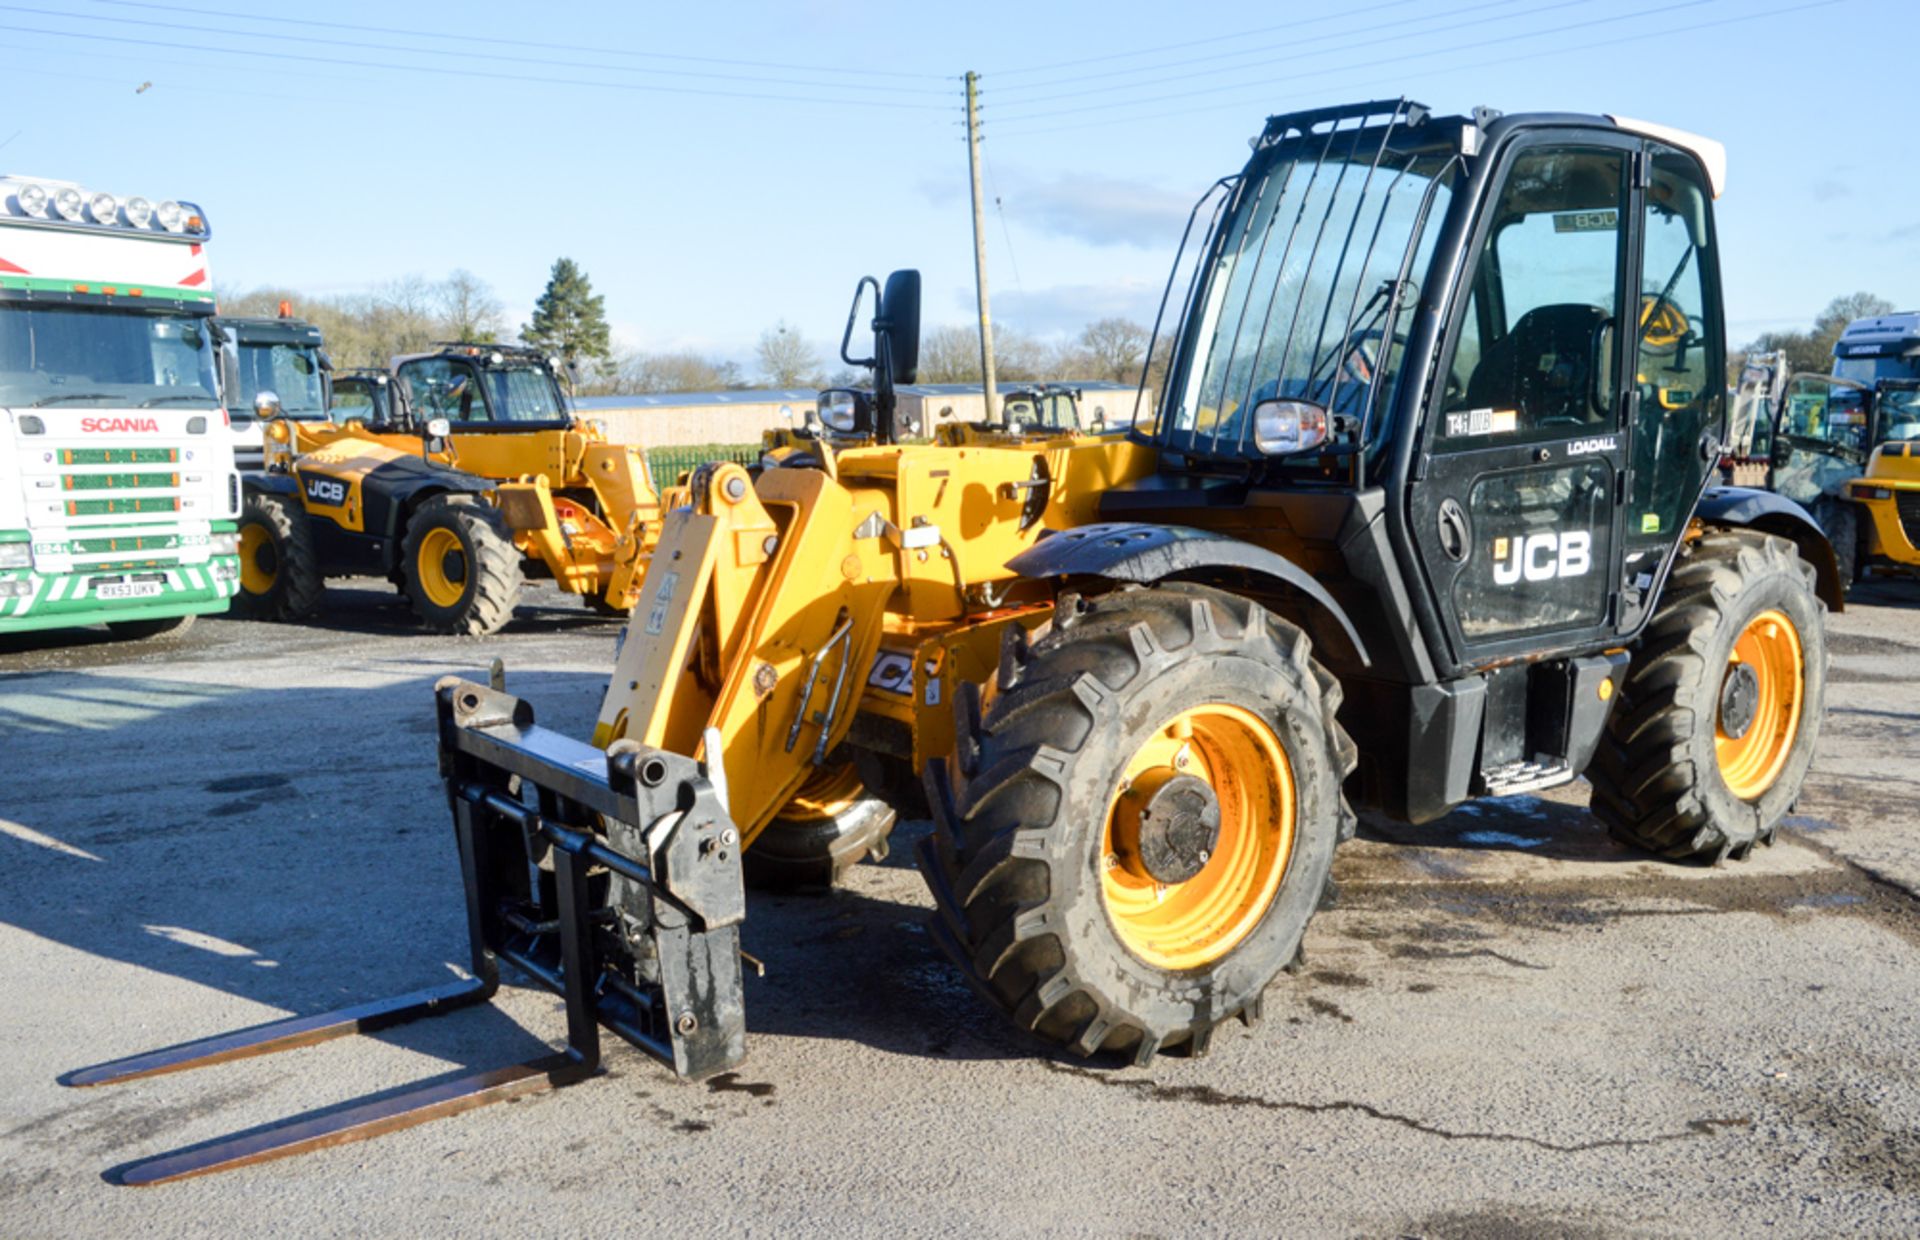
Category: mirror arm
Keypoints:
(853, 315)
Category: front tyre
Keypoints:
(280, 577)
(1716, 725)
(1129, 844)
(462, 572)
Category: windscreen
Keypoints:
(524, 394)
(104, 355)
(1871, 370)
(289, 371)
(1321, 246)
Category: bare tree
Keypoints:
(1115, 348)
(467, 307)
(786, 358)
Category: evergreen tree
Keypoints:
(570, 319)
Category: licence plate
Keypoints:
(127, 589)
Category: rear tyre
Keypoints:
(1710, 741)
(462, 571)
(828, 828)
(280, 575)
(1129, 845)
(140, 630)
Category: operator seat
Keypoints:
(1542, 368)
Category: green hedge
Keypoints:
(668, 464)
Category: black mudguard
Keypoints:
(1136, 552)
(264, 483)
(1771, 513)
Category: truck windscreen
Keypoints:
(104, 355)
(289, 371)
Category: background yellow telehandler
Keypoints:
(564, 502)
(1423, 517)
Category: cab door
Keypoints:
(1517, 515)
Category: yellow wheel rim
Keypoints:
(442, 565)
(1181, 923)
(827, 793)
(259, 560)
(1760, 701)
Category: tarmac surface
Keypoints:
(1507, 1026)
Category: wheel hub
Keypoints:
(1175, 831)
(1739, 700)
(453, 566)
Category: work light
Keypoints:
(105, 208)
(32, 199)
(139, 212)
(172, 216)
(69, 204)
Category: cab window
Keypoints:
(1534, 357)
(1677, 350)
(442, 388)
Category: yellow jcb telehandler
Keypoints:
(1408, 529)
(511, 485)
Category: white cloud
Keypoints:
(1095, 209)
(1064, 309)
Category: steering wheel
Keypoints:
(1663, 325)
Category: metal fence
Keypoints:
(667, 464)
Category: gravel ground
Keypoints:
(1507, 1026)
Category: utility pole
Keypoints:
(980, 247)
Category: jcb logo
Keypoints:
(1542, 557)
(330, 491)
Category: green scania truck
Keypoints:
(118, 495)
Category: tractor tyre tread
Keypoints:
(1009, 842)
(299, 585)
(1656, 784)
(493, 565)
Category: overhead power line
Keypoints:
(518, 58)
(1364, 36)
(1220, 38)
(441, 71)
(1663, 9)
(450, 36)
(1266, 101)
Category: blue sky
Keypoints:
(719, 167)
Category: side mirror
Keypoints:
(899, 321)
(266, 404)
(1780, 453)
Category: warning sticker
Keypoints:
(662, 597)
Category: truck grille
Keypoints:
(1907, 504)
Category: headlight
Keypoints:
(104, 208)
(172, 216)
(69, 204)
(1281, 427)
(224, 544)
(32, 200)
(839, 410)
(139, 212)
(16, 555)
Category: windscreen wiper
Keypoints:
(163, 400)
(63, 396)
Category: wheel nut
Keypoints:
(686, 1024)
